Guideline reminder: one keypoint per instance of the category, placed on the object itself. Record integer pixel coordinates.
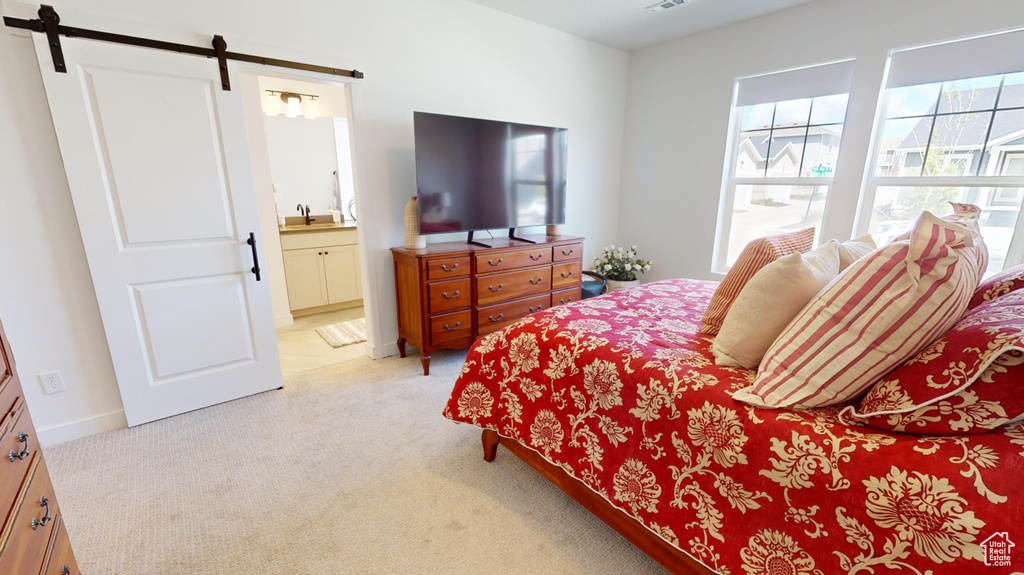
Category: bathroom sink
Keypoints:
(317, 221)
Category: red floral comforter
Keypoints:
(622, 393)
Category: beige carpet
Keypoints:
(349, 469)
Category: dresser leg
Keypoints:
(401, 347)
(425, 360)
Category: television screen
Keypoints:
(476, 174)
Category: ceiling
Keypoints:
(627, 25)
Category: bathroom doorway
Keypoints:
(301, 146)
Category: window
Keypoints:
(786, 131)
(952, 129)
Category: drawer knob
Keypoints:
(500, 315)
(567, 253)
(457, 324)
(446, 296)
(498, 262)
(12, 455)
(492, 288)
(565, 275)
(445, 267)
(536, 257)
(37, 523)
(537, 281)
(539, 307)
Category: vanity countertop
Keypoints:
(347, 224)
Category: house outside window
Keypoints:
(784, 145)
(951, 131)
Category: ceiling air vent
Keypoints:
(665, 5)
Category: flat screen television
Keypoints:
(474, 174)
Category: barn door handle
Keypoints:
(255, 260)
(22, 437)
(37, 523)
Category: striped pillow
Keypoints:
(882, 310)
(754, 256)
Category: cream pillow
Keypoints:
(855, 249)
(769, 301)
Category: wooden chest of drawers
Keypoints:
(449, 294)
(32, 535)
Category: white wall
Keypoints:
(445, 56)
(680, 93)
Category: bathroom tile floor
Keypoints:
(302, 349)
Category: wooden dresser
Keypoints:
(33, 540)
(449, 294)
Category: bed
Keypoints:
(618, 402)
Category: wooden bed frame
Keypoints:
(657, 548)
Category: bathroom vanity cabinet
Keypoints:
(321, 267)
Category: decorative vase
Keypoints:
(555, 230)
(413, 239)
(616, 285)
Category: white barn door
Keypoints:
(157, 161)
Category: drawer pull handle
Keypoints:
(22, 437)
(537, 281)
(500, 315)
(37, 523)
(65, 570)
(496, 264)
(446, 296)
(566, 275)
(536, 257)
(492, 288)
(567, 253)
(445, 267)
(457, 324)
(564, 301)
(539, 307)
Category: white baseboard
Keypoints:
(385, 350)
(283, 320)
(82, 428)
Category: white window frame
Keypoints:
(1015, 250)
(728, 198)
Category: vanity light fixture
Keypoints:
(312, 108)
(293, 104)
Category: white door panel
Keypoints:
(158, 166)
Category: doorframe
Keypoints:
(374, 346)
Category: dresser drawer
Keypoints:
(566, 275)
(10, 391)
(60, 560)
(451, 327)
(490, 263)
(565, 296)
(495, 317)
(27, 537)
(443, 268)
(449, 295)
(497, 288)
(18, 451)
(568, 252)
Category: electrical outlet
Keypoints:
(52, 382)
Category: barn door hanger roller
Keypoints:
(49, 23)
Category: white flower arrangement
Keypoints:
(620, 264)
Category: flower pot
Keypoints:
(615, 285)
